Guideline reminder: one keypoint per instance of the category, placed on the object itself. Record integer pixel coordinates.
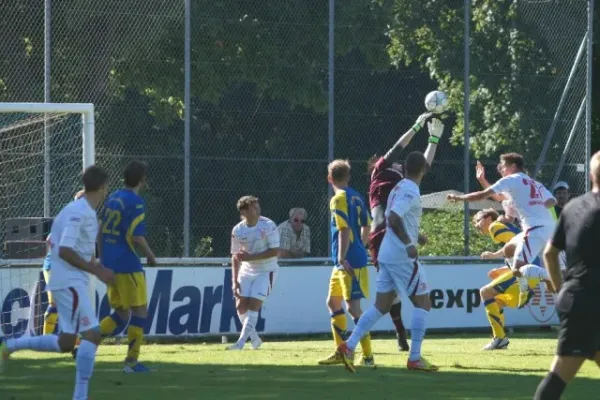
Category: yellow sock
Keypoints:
(339, 324)
(135, 337)
(50, 320)
(365, 343)
(496, 319)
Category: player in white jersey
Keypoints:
(399, 269)
(532, 200)
(254, 251)
(73, 245)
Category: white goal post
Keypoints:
(44, 147)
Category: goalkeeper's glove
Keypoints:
(421, 121)
(436, 130)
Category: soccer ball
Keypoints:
(436, 101)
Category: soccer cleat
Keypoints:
(332, 359)
(369, 362)
(525, 297)
(497, 344)
(235, 346)
(402, 341)
(135, 367)
(347, 357)
(256, 342)
(421, 365)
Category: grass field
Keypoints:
(288, 370)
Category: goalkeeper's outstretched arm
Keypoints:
(405, 139)
(436, 130)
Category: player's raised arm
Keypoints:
(436, 130)
(480, 175)
(405, 139)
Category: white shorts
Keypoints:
(403, 277)
(76, 314)
(531, 243)
(258, 286)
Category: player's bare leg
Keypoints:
(355, 310)
(396, 316)
(339, 324)
(249, 323)
(416, 361)
(562, 371)
(383, 302)
(241, 307)
(494, 314)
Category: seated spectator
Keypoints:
(562, 196)
(294, 235)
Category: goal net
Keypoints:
(43, 149)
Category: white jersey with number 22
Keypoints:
(528, 197)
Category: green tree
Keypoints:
(503, 48)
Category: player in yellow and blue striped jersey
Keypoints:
(122, 234)
(349, 282)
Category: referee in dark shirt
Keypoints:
(578, 302)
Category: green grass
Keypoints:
(288, 370)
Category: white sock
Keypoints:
(242, 317)
(47, 343)
(417, 332)
(84, 365)
(523, 284)
(249, 326)
(365, 323)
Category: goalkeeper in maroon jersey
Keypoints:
(385, 174)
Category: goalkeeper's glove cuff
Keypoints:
(416, 127)
(434, 139)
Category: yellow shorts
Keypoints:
(342, 284)
(508, 287)
(47, 279)
(129, 290)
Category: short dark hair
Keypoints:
(94, 178)
(135, 172)
(245, 202)
(514, 159)
(415, 163)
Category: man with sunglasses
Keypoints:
(294, 235)
(532, 201)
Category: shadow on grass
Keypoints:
(52, 379)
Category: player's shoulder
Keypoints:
(239, 226)
(496, 226)
(267, 222)
(338, 198)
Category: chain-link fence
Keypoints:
(259, 96)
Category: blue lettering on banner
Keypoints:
(192, 313)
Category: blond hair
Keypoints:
(339, 170)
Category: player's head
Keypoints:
(248, 207)
(415, 165)
(561, 193)
(595, 170)
(95, 182)
(397, 167)
(484, 218)
(338, 173)
(511, 163)
(135, 174)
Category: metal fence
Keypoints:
(229, 98)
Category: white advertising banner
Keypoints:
(199, 301)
